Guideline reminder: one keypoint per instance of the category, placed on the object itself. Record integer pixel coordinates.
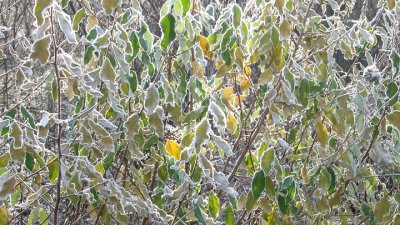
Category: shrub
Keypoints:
(278, 112)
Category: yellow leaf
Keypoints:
(4, 216)
(205, 46)
(321, 132)
(266, 76)
(109, 6)
(38, 180)
(280, 64)
(91, 22)
(41, 50)
(247, 70)
(100, 168)
(209, 54)
(239, 57)
(222, 70)
(227, 93)
(236, 100)
(285, 29)
(231, 122)
(279, 4)
(107, 72)
(203, 41)
(254, 57)
(40, 6)
(218, 63)
(197, 69)
(245, 84)
(173, 149)
(391, 4)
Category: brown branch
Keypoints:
(374, 137)
(59, 126)
(249, 143)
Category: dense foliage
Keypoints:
(275, 112)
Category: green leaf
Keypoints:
(226, 39)
(141, 33)
(92, 34)
(395, 58)
(40, 50)
(392, 89)
(324, 180)
(11, 113)
(226, 56)
(79, 105)
(54, 93)
(269, 187)
(185, 6)
(202, 133)
(266, 160)
(237, 15)
(332, 179)
(64, 3)
(167, 25)
(4, 159)
(29, 161)
(250, 201)
(283, 206)
(287, 182)
(108, 160)
(103, 41)
(213, 205)
(133, 83)
(289, 78)
(38, 10)
(394, 118)
(28, 117)
(15, 197)
(152, 140)
(223, 145)
(53, 171)
(258, 184)
(392, 92)
(162, 173)
(132, 125)
(206, 165)
(151, 99)
(88, 54)
(77, 19)
(229, 216)
(17, 135)
(8, 186)
(135, 46)
(38, 216)
(199, 215)
(304, 90)
(275, 36)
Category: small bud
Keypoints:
(371, 73)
